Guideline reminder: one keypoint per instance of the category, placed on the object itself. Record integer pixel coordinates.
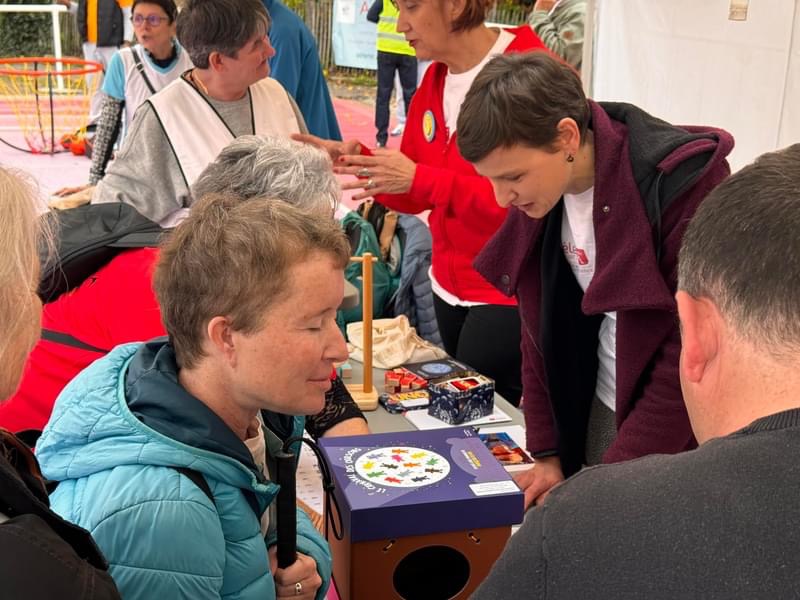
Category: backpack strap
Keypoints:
(30, 436)
(66, 339)
(196, 477)
(140, 68)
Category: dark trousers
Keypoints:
(388, 63)
(487, 338)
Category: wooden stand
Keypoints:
(437, 566)
(365, 395)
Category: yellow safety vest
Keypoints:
(388, 38)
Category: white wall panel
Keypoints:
(684, 61)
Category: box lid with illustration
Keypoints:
(419, 482)
(433, 369)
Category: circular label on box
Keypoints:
(436, 368)
(402, 466)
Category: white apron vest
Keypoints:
(197, 133)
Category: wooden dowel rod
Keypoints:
(366, 317)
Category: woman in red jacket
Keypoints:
(479, 325)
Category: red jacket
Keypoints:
(635, 276)
(114, 306)
(464, 213)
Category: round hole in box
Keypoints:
(431, 573)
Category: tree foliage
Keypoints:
(25, 34)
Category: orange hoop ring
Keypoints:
(90, 66)
(50, 99)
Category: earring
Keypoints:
(570, 158)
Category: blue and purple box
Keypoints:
(402, 493)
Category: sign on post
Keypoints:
(353, 37)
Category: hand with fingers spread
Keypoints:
(385, 172)
(334, 148)
(300, 581)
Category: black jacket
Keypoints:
(41, 554)
(110, 30)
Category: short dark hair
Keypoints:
(168, 6)
(518, 99)
(224, 26)
(473, 15)
(740, 251)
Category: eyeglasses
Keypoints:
(152, 20)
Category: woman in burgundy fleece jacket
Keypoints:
(600, 196)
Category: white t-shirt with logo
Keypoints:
(578, 244)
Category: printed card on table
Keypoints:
(506, 450)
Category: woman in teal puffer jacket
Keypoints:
(248, 292)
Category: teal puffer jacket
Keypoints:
(161, 534)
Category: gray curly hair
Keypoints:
(253, 166)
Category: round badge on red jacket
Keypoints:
(428, 126)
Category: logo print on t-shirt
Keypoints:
(579, 254)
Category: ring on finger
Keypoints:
(363, 172)
(370, 184)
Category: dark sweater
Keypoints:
(716, 522)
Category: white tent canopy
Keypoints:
(688, 63)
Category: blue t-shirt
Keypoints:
(296, 66)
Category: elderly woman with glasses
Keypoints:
(136, 73)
